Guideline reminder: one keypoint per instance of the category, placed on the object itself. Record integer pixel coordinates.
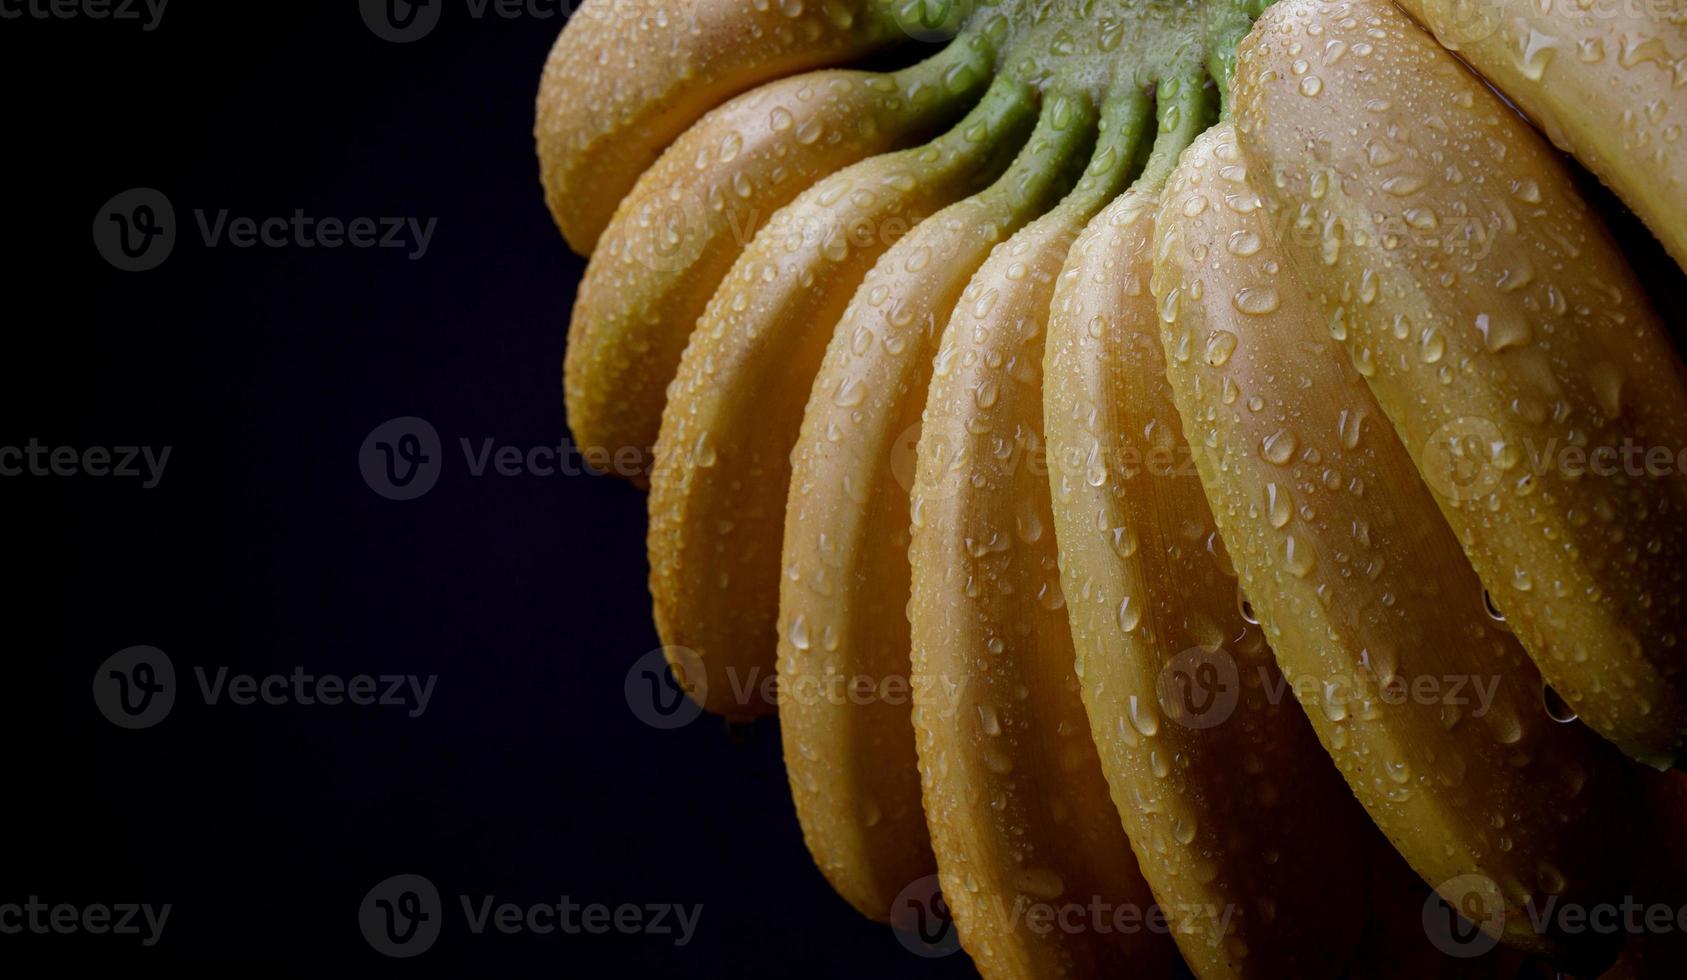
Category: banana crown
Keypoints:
(1133, 444)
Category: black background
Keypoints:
(262, 549)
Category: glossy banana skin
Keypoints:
(719, 488)
(1361, 587)
(1229, 802)
(626, 77)
(1499, 327)
(690, 216)
(844, 670)
(1015, 798)
(1504, 795)
(1603, 81)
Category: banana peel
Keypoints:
(783, 571)
(1504, 337)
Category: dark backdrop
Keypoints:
(263, 548)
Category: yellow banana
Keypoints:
(628, 76)
(1603, 78)
(693, 212)
(844, 679)
(1431, 710)
(735, 407)
(1229, 803)
(1503, 335)
(1017, 806)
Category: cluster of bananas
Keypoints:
(1168, 397)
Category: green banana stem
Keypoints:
(1124, 121)
(1221, 65)
(1185, 108)
(957, 71)
(993, 128)
(1041, 174)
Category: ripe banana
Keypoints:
(628, 76)
(1366, 473)
(1601, 78)
(1229, 804)
(735, 407)
(1430, 709)
(693, 212)
(843, 656)
(1501, 331)
(1015, 800)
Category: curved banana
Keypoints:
(844, 680)
(628, 76)
(735, 407)
(1015, 800)
(1603, 80)
(1431, 711)
(694, 211)
(1228, 801)
(1503, 335)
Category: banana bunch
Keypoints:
(1197, 481)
